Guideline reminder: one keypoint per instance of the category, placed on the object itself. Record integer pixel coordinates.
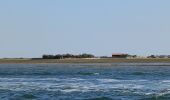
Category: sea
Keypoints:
(100, 81)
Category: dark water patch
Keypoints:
(100, 98)
(139, 73)
(87, 73)
(156, 98)
(28, 96)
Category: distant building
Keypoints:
(119, 55)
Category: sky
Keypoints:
(31, 28)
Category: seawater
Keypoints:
(111, 81)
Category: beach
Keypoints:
(97, 60)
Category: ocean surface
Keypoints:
(111, 81)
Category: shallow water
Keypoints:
(118, 81)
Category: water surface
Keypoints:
(112, 81)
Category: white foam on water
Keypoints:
(22, 84)
(108, 80)
(136, 80)
(166, 81)
(96, 73)
(84, 85)
(28, 79)
(157, 93)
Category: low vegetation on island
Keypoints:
(90, 58)
(64, 56)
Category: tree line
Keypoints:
(63, 56)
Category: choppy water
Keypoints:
(119, 81)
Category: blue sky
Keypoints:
(30, 28)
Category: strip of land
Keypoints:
(101, 60)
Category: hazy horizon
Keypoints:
(100, 27)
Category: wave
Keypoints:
(108, 80)
(139, 73)
(142, 88)
(87, 73)
(100, 98)
(68, 84)
(28, 96)
(157, 96)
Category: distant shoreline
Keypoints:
(101, 60)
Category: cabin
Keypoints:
(119, 55)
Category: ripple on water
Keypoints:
(28, 96)
(87, 73)
(139, 73)
(100, 98)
